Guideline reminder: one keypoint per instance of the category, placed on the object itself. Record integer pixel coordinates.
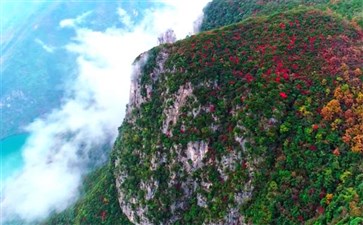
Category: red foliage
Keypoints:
(315, 126)
(212, 108)
(283, 95)
(305, 92)
(285, 76)
(292, 42)
(294, 66)
(261, 49)
(237, 73)
(322, 194)
(237, 37)
(225, 198)
(268, 72)
(282, 26)
(249, 78)
(103, 215)
(224, 138)
(234, 59)
(320, 210)
(312, 41)
(336, 152)
(244, 164)
(300, 218)
(313, 148)
(311, 191)
(297, 23)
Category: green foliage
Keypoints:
(219, 13)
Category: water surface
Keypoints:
(11, 155)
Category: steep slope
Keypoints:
(258, 122)
(219, 13)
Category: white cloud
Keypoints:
(71, 23)
(124, 17)
(63, 142)
(47, 48)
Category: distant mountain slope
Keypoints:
(257, 122)
(219, 13)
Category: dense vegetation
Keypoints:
(219, 13)
(294, 94)
(278, 101)
(97, 205)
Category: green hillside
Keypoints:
(219, 13)
(257, 122)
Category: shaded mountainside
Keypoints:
(258, 122)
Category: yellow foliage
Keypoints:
(304, 111)
(323, 82)
(338, 93)
(334, 1)
(354, 209)
(358, 72)
(336, 123)
(350, 97)
(358, 144)
(328, 197)
(333, 107)
(359, 98)
(344, 67)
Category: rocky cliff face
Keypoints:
(225, 127)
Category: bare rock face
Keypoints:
(135, 91)
(167, 37)
(167, 165)
(172, 113)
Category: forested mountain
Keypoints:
(257, 121)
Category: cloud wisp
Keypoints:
(47, 48)
(63, 143)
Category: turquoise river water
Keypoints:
(11, 155)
